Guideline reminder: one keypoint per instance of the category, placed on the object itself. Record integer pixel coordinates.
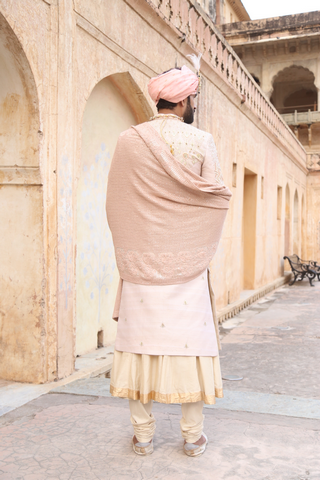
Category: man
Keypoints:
(166, 205)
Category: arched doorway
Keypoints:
(114, 105)
(303, 229)
(296, 228)
(23, 343)
(294, 89)
(287, 223)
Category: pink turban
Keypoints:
(173, 86)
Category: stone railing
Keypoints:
(196, 29)
(296, 118)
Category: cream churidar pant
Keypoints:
(144, 426)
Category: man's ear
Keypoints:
(183, 102)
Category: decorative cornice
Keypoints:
(240, 10)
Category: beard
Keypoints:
(188, 115)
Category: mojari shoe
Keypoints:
(142, 448)
(194, 450)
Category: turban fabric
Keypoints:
(173, 86)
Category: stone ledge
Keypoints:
(234, 308)
(15, 394)
(20, 176)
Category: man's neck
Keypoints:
(167, 111)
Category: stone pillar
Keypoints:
(213, 9)
(219, 12)
(66, 190)
(266, 85)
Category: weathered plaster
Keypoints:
(71, 47)
(106, 115)
(22, 282)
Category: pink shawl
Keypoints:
(165, 220)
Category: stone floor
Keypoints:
(266, 428)
(15, 394)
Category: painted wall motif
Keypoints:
(105, 117)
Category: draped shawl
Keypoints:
(166, 221)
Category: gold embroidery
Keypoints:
(186, 397)
(141, 344)
(162, 127)
(186, 346)
(185, 303)
(162, 325)
(141, 301)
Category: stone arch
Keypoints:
(129, 90)
(287, 226)
(294, 89)
(21, 199)
(19, 112)
(115, 103)
(296, 227)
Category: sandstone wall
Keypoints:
(313, 216)
(90, 63)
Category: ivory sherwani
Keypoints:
(192, 147)
(173, 319)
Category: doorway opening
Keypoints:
(287, 228)
(100, 342)
(287, 223)
(303, 230)
(249, 229)
(296, 239)
(114, 104)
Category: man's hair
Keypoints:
(164, 104)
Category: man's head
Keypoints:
(174, 91)
(184, 109)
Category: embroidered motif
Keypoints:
(162, 325)
(203, 146)
(186, 346)
(165, 265)
(185, 303)
(141, 343)
(141, 301)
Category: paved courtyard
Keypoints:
(266, 428)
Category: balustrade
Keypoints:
(202, 36)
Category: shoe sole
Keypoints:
(143, 450)
(198, 451)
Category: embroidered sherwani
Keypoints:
(167, 347)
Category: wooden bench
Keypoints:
(300, 270)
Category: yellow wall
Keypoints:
(313, 216)
(84, 79)
(22, 315)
